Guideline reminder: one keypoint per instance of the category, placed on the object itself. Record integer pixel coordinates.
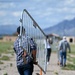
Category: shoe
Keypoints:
(64, 65)
(47, 63)
(58, 63)
(61, 65)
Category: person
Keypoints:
(63, 45)
(33, 48)
(48, 49)
(25, 67)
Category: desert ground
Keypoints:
(9, 67)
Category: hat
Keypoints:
(64, 37)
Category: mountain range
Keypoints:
(7, 29)
(64, 28)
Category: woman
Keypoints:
(48, 50)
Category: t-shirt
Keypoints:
(48, 44)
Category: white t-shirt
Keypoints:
(48, 45)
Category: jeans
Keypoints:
(25, 69)
(48, 54)
(63, 58)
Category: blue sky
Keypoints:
(45, 12)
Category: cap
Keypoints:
(64, 37)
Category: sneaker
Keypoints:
(47, 63)
(58, 63)
(61, 65)
(64, 65)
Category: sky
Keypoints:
(45, 12)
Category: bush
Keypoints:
(5, 58)
(5, 74)
(1, 62)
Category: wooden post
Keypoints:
(40, 72)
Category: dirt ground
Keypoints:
(9, 67)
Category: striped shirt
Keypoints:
(33, 45)
(19, 51)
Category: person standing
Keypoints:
(48, 49)
(25, 67)
(63, 45)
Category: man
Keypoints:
(63, 45)
(25, 67)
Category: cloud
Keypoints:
(69, 17)
(67, 2)
(12, 0)
(43, 11)
(6, 5)
(16, 13)
(73, 11)
(2, 13)
(7, 22)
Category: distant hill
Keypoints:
(66, 27)
(7, 29)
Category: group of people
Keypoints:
(62, 51)
(25, 60)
